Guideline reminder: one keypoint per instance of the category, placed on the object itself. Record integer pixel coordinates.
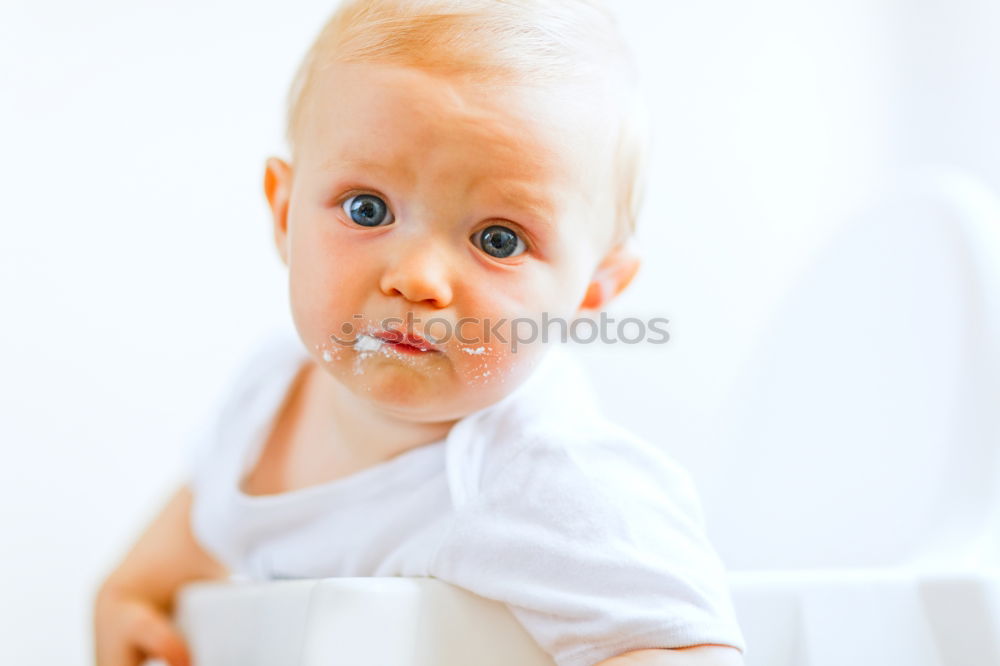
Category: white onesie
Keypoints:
(592, 536)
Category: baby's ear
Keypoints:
(611, 276)
(278, 188)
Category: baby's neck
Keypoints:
(358, 430)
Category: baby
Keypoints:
(458, 169)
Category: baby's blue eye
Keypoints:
(500, 242)
(367, 210)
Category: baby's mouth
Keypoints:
(393, 341)
(404, 340)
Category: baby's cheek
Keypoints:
(495, 340)
(498, 354)
(478, 364)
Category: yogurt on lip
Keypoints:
(370, 343)
(367, 343)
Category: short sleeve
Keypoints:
(596, 543)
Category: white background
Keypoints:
(136, 258)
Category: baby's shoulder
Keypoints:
(593, 464)
(592, 445)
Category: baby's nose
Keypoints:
(419, 272)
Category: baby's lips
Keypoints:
(389, 336)
(412, 339)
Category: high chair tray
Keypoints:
(352, 621)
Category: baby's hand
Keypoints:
(128, 630)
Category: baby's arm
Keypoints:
(134, 603)
(699, 655)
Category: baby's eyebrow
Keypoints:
(332, 163)
(527, 199)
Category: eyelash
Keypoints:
(526, 239)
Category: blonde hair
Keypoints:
(527, 42)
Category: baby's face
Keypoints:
(437, 202)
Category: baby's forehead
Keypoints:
(457, 96)
(364, 108)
